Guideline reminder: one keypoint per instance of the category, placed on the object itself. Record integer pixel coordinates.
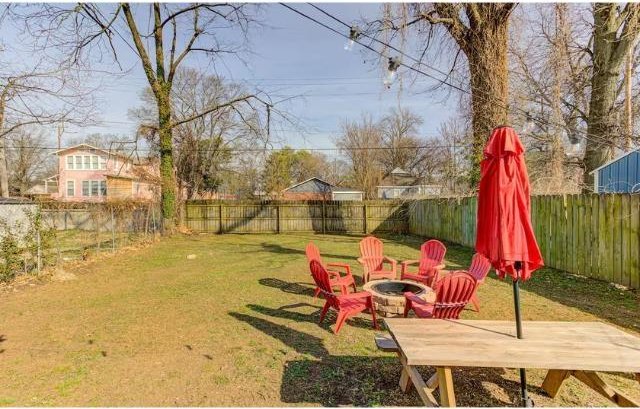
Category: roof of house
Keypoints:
(90, 147)
(400, 177)
(320, 186)
(615, 159)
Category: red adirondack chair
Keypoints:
(344, 282)
(431, 262)
(347, 305)
(453, 292)
(480, 267)
(373, 261)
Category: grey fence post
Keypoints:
(113, 232)
(39, 258)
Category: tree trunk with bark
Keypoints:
(614, 34)
(481, 32)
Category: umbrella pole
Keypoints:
(527, 402)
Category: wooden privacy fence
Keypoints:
(594, 235)
(308, 216)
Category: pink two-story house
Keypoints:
(90, 174)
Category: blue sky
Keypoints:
(291, 56)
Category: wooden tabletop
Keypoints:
(587, 346)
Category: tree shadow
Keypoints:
(595, 297)
(286, 313)
(300, 288)
(332, 380)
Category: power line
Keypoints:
(458, 88)
(249, 150)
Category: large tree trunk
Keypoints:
(611, 44)
(4, 171)
(167, 174)
(489, 84)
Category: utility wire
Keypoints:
(598, 140)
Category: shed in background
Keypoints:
(620, 175)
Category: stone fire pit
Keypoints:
(388, 295)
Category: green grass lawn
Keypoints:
(237, 326)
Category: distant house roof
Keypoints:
(90, 147)
(317, 185)
(615, 159)
(400, 177)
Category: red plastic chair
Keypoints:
(344, 282)
(480, 267)
(431, 262)
(453, 292)
(347, 305)
(373, 260)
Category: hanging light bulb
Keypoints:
(392, 69)
(354, 33)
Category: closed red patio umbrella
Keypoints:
(504, 232)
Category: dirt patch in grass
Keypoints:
(237, 325)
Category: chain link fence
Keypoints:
(50, 233)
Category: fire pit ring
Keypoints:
(388, 295)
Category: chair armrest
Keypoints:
(404, 266)
(333, 274)
(415, 299)
(346, 267)
(358, 295)
(389, 260)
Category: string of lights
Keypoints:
(394, 64)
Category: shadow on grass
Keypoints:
(330, 318)
(299, 288)
(279, 249)
(595, 297)
(332, 380)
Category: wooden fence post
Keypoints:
(220, 229)
(277, 219)
(364, 218)
(324, 228)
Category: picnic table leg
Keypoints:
(426, 393)
(553, 381)
(592, 380)
(445, 384)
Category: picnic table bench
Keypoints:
(565, 349)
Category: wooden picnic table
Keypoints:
(565, 349)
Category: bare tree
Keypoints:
(401, 140)
(29, 158)
(480, 33)
(361, 143)
(177, 31)
(616, 29)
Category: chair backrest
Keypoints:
(313, 252)
(321, 278)
(371, 251)
(480, 267)
(453, 292)
(431, 254)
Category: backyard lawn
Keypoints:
(237, 326)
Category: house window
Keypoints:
(95, 188)
(87, 162)
(103, 188)
(78, 162)
(71, 188)
(85, 188)
(94, 162)
(70, 162)
(103, 163)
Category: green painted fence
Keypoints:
(296, 216)
(593, 235)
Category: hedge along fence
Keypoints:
(593, 235)
(296, 216)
